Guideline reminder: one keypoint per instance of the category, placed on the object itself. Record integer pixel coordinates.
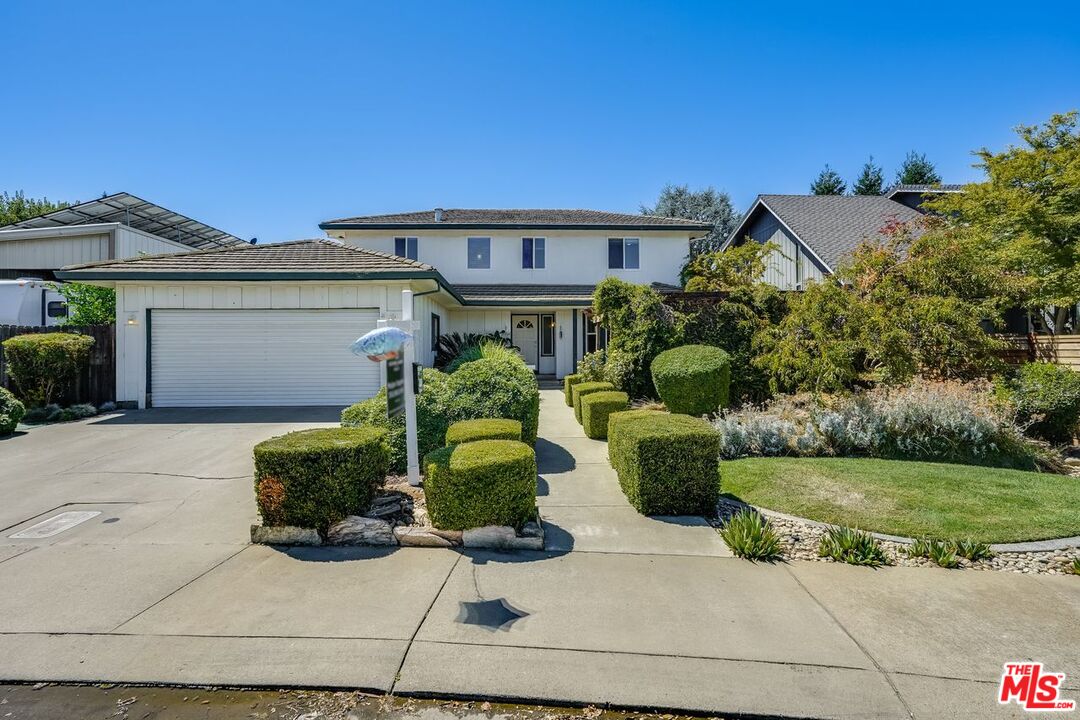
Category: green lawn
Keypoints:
(911, 498)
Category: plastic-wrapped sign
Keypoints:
(381, 344)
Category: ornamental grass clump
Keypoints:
(750, 536)
(852, 546)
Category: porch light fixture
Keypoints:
(132, 319)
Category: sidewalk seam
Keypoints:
(412, 639)
(157, 602)
(871, 658)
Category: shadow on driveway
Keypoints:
(223, 416)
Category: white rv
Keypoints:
(31, 302)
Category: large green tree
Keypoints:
(917, 170)
(708, 205)
(1026, 213)
(871, 180)
(16, 208)
(828, 182)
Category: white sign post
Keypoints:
(411, 452)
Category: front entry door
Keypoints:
(525, 335)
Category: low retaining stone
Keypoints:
(287, 535)
(356, 530)
(427, 537)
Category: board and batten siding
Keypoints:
(134, 299)
(54, 248)
(790, 266)
(498, 320)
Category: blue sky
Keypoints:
(264, 118)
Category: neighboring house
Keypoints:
(115, 226)
(272, 324)
(814, 233)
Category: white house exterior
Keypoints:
(272, 324)
(529, 273)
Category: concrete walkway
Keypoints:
(163, 588)
(583, 507)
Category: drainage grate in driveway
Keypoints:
(55, 525)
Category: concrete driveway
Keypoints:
(162, 587)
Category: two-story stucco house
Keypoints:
(272, 324)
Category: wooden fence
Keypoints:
(97, 382)
(1058, 349)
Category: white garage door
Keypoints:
(205, 358)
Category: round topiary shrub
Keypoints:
(465, 431)
(693, 379)
(487, 482)
(313, 478)
(595, 409)
(11, 412)
(496, 387)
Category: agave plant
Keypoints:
(944, 554)
(853, 546)
(972, 550)
(919, 548)
(750, 536)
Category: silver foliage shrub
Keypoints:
(923, 420)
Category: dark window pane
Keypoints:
(399, 247)
(479, 253)
(539, 254)
(411, 249)
(547, 335)
(614, 253)
(631, 254)
(526, 253)
(436, 330)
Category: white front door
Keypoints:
(525, 336)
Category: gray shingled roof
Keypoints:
(832, 225)
(300, 257)
(532, 294)
(486, 218)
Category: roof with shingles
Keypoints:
(928, 189)
(298, 256)
(520, 218)
(512, 294)
(830, 225)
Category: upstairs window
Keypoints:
(533, 253)
(406, 247)
(623, 254)
(479, 253)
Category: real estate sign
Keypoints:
(395, 385)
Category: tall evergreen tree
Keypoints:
(871, 180)
(828, 182)
(917, 170)
(707, 205)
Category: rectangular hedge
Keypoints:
(584, 388)
(595, 409)
(568, 382)
(667, 464)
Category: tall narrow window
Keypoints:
(533, 255)
(623, 254)
(595, 334)
(406, 247)
(547, 335)
(479, 253)
(436, 330)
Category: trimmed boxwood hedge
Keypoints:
(569, 381)
(465, 431)
(487, 482)
(595, 409)
(667, 464)
(584, 388)
(11, 412)
(313, 478)
(692, 379)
